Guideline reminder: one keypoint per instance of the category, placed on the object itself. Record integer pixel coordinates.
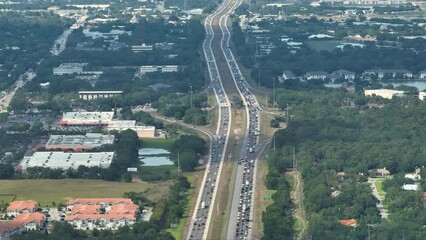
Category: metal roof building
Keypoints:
(65, 160)
(79, 142)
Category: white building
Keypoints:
(79, 142)
(100, 221)
(86, 118)
(343, 74)
(162, 69)
(388, 73)
(122, 125)
(65, 160)
(422, 95)
(69, 68)
(411, 187)
(316, 75)
(384, 93)
(89, 95)
(142, 48)
(422, 74)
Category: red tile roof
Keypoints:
(85, 209)
(8, 226)
(96, 201)
(107, 216)
(122, 209)
(24, 218)
(22, 205)
(348, 222)
(424, 195)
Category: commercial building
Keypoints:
(142, 48)
(162, 69)
(89, 95)
(79, 142)
(69, 68)
(17, 207)
(142, 131)
(384, 93)
(86, 118)
(65, 160)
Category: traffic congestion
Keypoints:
(199, 222)
(239, 226)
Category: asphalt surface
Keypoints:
(202, 212)
(241, 214)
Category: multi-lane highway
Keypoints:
(202, 212)
(239, 222)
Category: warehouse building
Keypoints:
(79, 142)
(65, 160)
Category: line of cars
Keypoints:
(200, 218)
(248, 155)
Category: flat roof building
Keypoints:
(142, 48)
(69, 68)
(79, 142)
(384, 93)
(142, 131)
(86, 118)
(65, 160)
(160, 68)
(89, 95)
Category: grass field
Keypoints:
(379, 187)
(165, 143)
(46, 191)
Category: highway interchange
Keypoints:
(241, 212)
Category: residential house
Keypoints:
(343, 74)
(288, 75)
(100, 221)
(380, 172)
(102, 202)
(31, 221)
(349, 222)
(24, 206)
(316, 75)
(422, 74)
(8, 229)
(388, 73)
(424, 195)
(101, 213)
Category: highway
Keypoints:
(241, 212)
(204, 207)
